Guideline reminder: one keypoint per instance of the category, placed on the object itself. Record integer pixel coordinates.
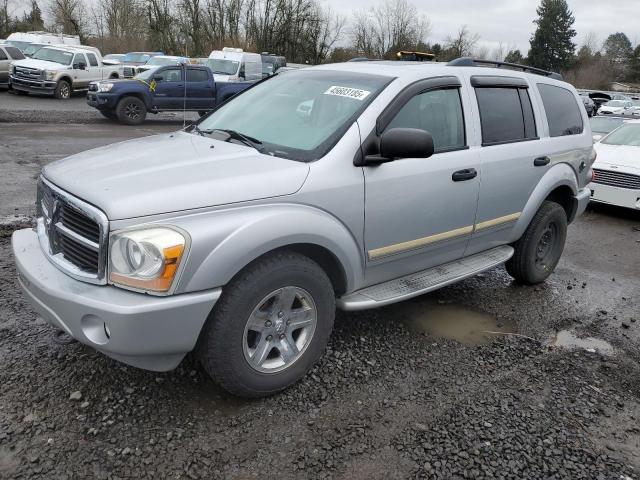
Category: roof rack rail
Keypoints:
(473, 62)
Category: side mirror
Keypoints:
(158, 78)
(82, 66)
(597, 138)
(400, 143)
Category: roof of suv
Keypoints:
(419, 70)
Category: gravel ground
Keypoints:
(391, 398)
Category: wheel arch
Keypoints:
(559, 184)
(67, 79)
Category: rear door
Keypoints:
(4, 66)
(200, 93)
(513, 158)
(169, 89)
(94, 70)
(81, 78)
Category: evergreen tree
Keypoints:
(618, 50)
(551, 44)
(634, 65)
(514, 56)
(33, 19)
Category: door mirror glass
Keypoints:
(82, 66)
(158, 78)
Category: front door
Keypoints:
(4, 66)
(169, 89)
(420, 212)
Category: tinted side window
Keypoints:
(439, 112)
(197, 75)
(563, 113)
(506, 115)
(93, 61)
(3, 56)
(79, 58)
(15, 53)
(171, 75)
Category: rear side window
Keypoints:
(563, 113)
(194, 75)
(506, 115)
(3, 55)
(15, 53)
(93, 61)
(439, 112)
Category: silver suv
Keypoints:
(353, 185)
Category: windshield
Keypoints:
(18, 44)
(222, 66)
(299, 115)
(628, 134)
(53, 55)
(31, 49)
(604, 124)
(163, 61)
(615, 103)
(136, 58)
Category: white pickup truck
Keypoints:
(61, 70)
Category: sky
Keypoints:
(511, 21)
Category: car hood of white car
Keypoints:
(39, 64)
(626, 157)
(611, 109)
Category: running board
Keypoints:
(425, 281)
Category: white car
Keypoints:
(615, 107)
(616, 172)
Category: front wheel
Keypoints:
(63, 90)
(131, 111)
(270, 326)
(539, 250)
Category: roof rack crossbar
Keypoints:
(473, 62)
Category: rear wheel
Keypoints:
(270, 326)
(63, 90)
(131, 111)
(539, 250)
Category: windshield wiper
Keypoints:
(235, 135)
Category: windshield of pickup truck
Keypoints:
(160, 61)
(31, 49)
(53, 55)
(136, 58)
(222, 66)
(299, 115)
(628, 134)
(18, 44)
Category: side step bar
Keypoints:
(425, 281)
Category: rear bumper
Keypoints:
(148, 332)
(621, 197)
(33, 86)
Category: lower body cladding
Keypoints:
(154, 333)
(621, 197)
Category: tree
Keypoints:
(69, 16)
(33, 19)
(514, 56)
(618, 50)
(634, 65)
(552, 47)
(462, 44)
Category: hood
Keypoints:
(621, 155)
(611, 109)
(173, 172)
(40, 64)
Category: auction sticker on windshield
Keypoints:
(348, 92)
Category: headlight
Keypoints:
(50, 74)
(105, 87)
(146, 259)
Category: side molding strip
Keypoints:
(498, 221)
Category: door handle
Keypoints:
(541, 161)
(462, 175)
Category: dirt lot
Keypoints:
(415, 390)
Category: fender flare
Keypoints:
(560, 175)
(242, 235)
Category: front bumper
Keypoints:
(33, 86)
(102, 101)
(148, 332)
(621, 197)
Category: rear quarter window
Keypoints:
(3, 56)
(196, 75)
(15, 53)
(563, 112)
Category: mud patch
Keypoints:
(453, 321)
(569, 340)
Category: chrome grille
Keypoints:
(28, 73)
(617, 179)
(72, 233)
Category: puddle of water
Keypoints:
(453, 321)
(568, 339)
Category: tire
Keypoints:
(108, 114)
(539, 250)
(63, 90)
(235, 326)
(131, 111)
